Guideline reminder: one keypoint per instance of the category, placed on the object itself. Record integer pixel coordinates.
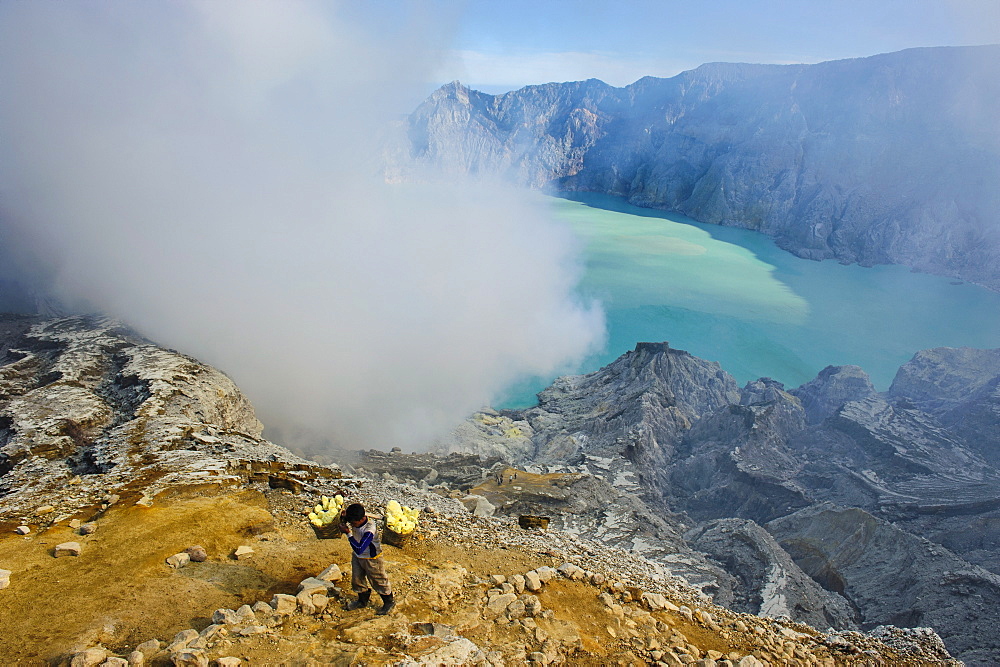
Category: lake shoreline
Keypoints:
(732, 295)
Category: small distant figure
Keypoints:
(515, 474)
(511, 480)
(366, 561)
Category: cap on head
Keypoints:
(354, 512)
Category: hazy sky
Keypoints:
(505, 45)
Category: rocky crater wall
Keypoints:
(888, 159)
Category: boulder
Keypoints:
(224, 617)
(244, 614)
(262, 608)
(213, 632)
(67, 549)
(137, 659)
(149, 647)
(5, 578)
(228, 661)
(460, 651)
(190, 658)
(304, 601)
(242, 552)
(197, 553)
(478, 505)
(654, 601)
(516, 609)
(314, 585)
(89, 658)
(571, 571)
(179, 560)
(182, 639)
(88, 528)
(331, 573)
(532, 605)
(498, 604)
(22, 530)
(284, 604)
(115, 661)
(546, 573)
(532, 581)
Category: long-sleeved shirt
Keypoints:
(364, 540)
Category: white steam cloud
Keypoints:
(209, 173)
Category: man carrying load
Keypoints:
(366, 561)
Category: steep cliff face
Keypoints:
(888, 159)
(772, 584)
(911, 582)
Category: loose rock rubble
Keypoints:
(590, 606)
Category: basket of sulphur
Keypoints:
(400, 522)
(325, 517)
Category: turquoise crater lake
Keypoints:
(732, 296)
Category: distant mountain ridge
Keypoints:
(893, 158)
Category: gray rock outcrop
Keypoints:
(674, 434)
(894, 577)
(941, 379)
(832, 388)
(771, 584)
(665, 392)
(86, 399)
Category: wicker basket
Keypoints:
(398, 540)
(330, 531)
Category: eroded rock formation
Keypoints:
(907, 473)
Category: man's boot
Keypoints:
(387, 604)
(361, 602)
